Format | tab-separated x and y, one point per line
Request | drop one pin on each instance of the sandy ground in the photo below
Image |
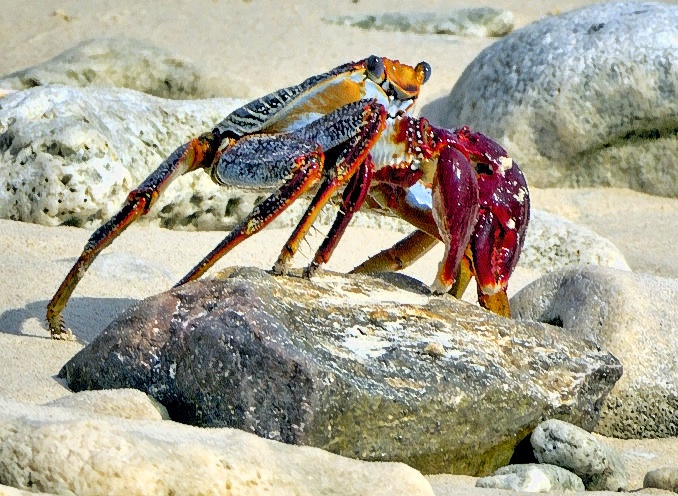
266	45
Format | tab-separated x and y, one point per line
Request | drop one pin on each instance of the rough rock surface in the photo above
552	242
116	62
567	446
663	478
354	365
106	455
71	155
479	21
568	96
534	478
633	316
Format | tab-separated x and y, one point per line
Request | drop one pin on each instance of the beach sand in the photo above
265	45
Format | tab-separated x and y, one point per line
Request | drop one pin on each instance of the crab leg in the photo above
193	155
304	149
352	199
305	172
400	256
369	122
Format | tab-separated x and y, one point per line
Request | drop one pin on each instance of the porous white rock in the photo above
71	156
113	456
533	478
635	317
584	98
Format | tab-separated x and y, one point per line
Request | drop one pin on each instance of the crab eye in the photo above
425	69
375	67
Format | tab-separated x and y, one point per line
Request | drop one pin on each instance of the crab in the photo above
349	128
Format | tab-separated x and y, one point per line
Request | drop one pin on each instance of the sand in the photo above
266	45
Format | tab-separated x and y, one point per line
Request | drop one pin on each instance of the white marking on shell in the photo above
511	224
506	163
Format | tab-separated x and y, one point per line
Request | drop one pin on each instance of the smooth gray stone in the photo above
585	98
572	448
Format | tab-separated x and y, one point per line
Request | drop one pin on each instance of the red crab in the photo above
349	128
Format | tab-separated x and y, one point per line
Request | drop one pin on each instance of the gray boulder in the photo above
633	316
567	446
117	62
585	98
355	365
533	478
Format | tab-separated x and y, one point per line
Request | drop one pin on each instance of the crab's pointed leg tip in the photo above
497	303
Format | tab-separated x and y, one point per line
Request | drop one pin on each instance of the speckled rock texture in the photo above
121	63
61	450
567	446
585	98
475	21
634	317
355	365
534	478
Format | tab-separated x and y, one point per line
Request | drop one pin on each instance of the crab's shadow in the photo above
86	317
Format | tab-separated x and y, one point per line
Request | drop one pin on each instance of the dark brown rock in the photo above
340	362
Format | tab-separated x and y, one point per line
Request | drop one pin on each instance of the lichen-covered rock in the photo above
533	478
478	21
633	316
662	478
567	446
66	451
340	362
585	98
117	62
552	242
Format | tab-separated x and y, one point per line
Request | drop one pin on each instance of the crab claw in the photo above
499	232
455	209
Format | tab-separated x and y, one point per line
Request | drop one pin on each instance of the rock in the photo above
122	403
634	317
341	363
478	21
107	455
71	156
585	98
533	478
10	491
663	478
570	447
118	62
553	242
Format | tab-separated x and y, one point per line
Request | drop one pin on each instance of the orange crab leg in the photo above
307	171
352	155
193	155
352	199
400	256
